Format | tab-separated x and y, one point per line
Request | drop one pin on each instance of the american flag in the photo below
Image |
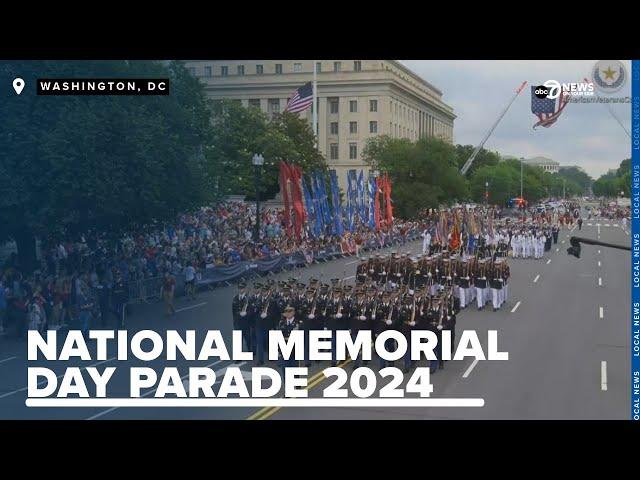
545	108
301	100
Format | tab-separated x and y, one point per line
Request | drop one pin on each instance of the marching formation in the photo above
395	292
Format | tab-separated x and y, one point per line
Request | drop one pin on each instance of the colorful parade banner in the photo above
335	201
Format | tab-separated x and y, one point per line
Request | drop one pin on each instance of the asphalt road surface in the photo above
565	326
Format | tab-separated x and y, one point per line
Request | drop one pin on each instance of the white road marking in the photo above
574	227
223	370
626	232
603	376
350	277
563	241
471	367
598	229
515	307
598	252
599	281
548	261
589	224
8	394
151	392
7	359
601	312
599	263
190	307
558	249
607	225
536	279
351	263
615	224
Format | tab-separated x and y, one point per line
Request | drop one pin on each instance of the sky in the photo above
478	90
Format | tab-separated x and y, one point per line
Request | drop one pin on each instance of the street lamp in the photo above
521	164
258	161
486	192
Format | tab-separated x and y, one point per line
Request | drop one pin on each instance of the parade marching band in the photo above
396	291
391	292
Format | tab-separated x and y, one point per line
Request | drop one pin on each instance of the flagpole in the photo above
615	117
315	102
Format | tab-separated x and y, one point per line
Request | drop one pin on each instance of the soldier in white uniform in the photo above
426	241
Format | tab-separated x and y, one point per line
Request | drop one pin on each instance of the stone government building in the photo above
357	99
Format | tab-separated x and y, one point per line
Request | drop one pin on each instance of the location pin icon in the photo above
18	85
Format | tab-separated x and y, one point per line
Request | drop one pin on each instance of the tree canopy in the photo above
611	184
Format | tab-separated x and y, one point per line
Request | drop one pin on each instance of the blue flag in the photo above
363	212
335	200
372	202
311	210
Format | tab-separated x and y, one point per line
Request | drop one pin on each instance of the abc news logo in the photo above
542	92
552	88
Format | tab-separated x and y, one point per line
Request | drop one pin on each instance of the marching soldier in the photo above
407	317
307	311
386	319
286	325
241	310
496	284
362	271
480	282
333	314
360	313
265	320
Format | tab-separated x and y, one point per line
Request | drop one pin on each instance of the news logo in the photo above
551	89
103	86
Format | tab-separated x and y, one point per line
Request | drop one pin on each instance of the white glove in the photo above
388	322
373	317
242	314
362	317
338	315
263	315
439	327
311	316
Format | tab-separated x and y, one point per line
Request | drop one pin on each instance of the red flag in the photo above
296	193
284	189
387	200
376	206
454	242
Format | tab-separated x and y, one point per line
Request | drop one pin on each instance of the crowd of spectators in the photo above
87	277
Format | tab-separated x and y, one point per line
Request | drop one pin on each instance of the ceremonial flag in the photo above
372	202
301	100
548	109
363	211
284	189
351	199
311	210
335	200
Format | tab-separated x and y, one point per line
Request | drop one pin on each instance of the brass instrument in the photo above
312	313
388	320
439	327
243	312
339	311
412	321
266	306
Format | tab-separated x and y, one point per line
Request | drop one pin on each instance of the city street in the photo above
565	326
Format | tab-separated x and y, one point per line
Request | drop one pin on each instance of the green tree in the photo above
483	158
424	174
241	132
103	162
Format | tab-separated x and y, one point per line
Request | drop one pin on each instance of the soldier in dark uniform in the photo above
240	309
386	319
306	313
359	317
265	320
408	319
362	271
119	298
287	324
333	314
495	283
432	319
322	304
555	231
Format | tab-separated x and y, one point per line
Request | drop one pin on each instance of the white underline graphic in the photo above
255	402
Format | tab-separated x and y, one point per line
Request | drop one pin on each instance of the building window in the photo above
353	127
357	65
353	151
297	67
333	149
240	69
373	127
337	66
373	105
278	68
207	71
224	70
259	69
333	105
192	71
334	128
274	105
318	67
353	106
254	102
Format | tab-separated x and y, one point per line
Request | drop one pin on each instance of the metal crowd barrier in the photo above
148	290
